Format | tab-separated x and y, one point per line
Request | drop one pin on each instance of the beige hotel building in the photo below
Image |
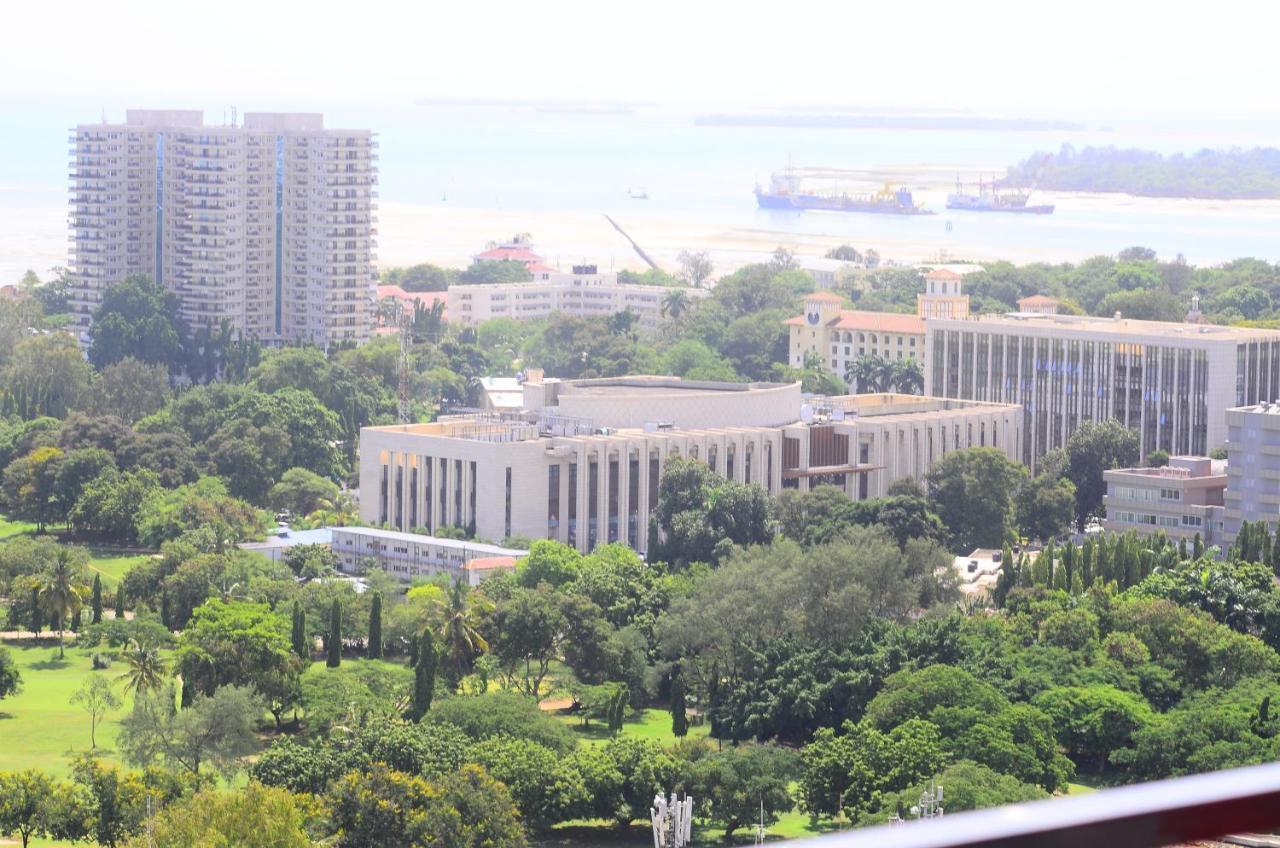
581	461
266	225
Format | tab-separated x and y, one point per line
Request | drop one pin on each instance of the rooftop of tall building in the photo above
1121	325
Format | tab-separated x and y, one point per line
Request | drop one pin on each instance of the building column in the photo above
584	478
624	491
602	492
563	495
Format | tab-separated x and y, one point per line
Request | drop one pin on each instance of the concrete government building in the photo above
581	461
267	226
1172	383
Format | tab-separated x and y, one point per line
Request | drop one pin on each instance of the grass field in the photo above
40	726
14	528
112	565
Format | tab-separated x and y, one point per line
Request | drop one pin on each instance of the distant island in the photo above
1235	174
889	122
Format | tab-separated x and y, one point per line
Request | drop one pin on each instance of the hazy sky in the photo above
1031	57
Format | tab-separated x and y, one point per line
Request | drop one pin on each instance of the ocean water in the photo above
527	163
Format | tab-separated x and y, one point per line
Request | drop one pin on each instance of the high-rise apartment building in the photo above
1253	466
1172	383
266	226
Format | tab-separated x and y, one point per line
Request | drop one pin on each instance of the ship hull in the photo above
766	200
1046	209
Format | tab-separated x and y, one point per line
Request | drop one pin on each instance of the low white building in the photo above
1182	499
582	461
410	555
584	292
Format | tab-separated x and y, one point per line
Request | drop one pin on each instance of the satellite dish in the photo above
806	414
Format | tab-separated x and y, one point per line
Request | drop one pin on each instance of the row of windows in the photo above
1137	493
1146	519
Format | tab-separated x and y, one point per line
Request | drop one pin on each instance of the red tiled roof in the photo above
1038	300
879	322
539	268
490	563
515	254
943	274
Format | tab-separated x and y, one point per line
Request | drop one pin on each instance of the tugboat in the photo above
989	199
785	192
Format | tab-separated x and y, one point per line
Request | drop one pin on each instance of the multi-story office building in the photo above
585	291
267	226
1253	466
1172	383
1181	500
839	336
581	461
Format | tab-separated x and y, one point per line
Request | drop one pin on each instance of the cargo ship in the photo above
785	192
989	199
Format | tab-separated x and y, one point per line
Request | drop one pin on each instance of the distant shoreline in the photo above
892	122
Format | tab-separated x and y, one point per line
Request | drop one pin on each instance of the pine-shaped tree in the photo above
301	644
37	614
97	599
334	645
120	601
424	676
374	649
1197	546
679	712
413	650
618	708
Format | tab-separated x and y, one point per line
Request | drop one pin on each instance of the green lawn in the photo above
14	528
651	723
40	726
113	565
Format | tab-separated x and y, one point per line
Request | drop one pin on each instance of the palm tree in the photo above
867	373
459	614
147	669
61	596
908	377
675	303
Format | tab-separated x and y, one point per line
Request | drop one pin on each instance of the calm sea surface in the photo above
526	160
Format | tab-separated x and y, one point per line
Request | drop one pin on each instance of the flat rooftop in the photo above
664	385
1089	324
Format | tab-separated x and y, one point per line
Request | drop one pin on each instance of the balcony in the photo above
1146	815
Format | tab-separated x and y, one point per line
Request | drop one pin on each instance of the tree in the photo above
145	667
679	714
374	648
216	730
311	562
545	786
333	640
299	639
550	562
784	259
974	491
695	267
458	614
45	375
238	643
1095	720
252	815
61	593
529	627
117	802
503	714
424	675
33	806
1093	448
138	318
97	599
128	389
737	786
10	679
248	457
96	698
302	492
675	303
699	510
622	776
383	807
1046	507
968	786
29	487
